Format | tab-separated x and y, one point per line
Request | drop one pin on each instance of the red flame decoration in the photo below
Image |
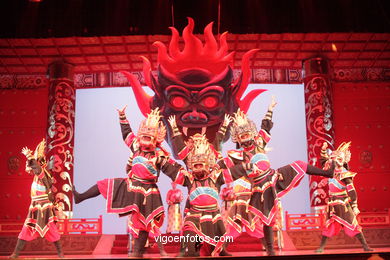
195	55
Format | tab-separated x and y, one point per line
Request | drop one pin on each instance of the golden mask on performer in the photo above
39	155
151	132
243	130
201	159
342	155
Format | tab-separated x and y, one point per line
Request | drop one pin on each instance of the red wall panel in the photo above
362	115
23	122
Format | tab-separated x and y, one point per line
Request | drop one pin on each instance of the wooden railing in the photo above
304	221
317	220
65	226
370	219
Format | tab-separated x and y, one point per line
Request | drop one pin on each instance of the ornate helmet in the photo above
39	153
153	127
342	154
202	156
242	129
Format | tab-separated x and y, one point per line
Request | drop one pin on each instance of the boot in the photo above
19	247
322	245
161	248
362	240
269	240
182	251
59	249
263	244
139	244
90	193
130	247
312	170
192	248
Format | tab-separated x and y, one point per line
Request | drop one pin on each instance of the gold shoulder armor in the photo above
347	174
238	155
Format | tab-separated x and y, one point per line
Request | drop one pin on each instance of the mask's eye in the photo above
210	102
178	102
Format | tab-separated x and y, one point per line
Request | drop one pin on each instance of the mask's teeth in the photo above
185	130
204	130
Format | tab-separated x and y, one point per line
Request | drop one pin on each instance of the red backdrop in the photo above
23	122
362	115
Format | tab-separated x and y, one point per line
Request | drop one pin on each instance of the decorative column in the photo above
60	135
319	123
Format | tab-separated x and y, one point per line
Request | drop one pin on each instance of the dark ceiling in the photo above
65	18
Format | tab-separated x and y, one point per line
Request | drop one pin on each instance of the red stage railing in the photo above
317	220
305	221
65	226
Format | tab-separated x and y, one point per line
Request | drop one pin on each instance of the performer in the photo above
203	180
228	196
41	218
138	194
268	184
174	197
342	204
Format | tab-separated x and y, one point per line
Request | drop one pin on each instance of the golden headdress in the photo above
344	146
39	152
152	126
342	154
241	124
201	153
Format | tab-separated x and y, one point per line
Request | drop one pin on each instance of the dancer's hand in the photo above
27	152
121	112
227	120
356	211
324	146
172	121
273	104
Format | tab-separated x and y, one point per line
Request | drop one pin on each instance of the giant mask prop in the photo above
195	84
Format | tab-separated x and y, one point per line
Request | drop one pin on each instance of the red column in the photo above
319	122
60	135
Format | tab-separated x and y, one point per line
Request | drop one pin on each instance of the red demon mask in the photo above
195	84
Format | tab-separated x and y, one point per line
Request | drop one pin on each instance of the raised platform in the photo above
72	244
298	244
379	254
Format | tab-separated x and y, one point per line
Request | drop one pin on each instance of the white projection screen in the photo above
100	152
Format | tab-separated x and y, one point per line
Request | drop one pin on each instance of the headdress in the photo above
201	153
39	153
241	124
343	152
152	126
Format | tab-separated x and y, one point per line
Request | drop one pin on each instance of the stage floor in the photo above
353	253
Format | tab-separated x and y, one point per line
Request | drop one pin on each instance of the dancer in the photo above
203	221
342	204
41	218
174	197
138	194
268	184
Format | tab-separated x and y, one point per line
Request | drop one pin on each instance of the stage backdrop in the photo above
101	153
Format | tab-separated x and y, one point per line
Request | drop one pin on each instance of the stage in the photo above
378	253
106	246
